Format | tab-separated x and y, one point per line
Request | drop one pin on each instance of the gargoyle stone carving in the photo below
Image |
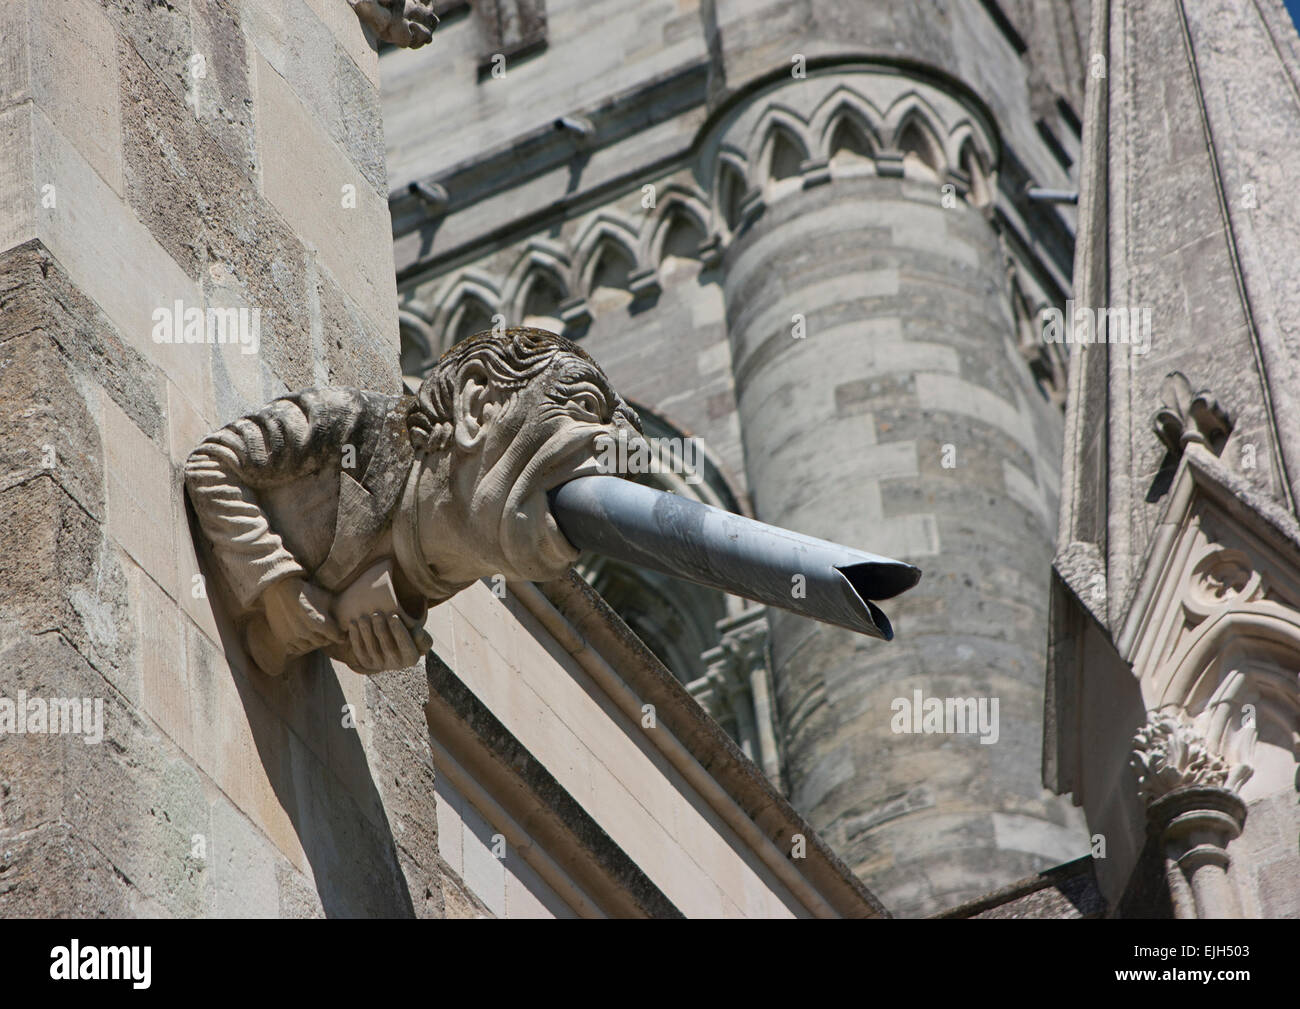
405	23
336	517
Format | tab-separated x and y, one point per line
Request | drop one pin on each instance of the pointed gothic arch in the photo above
729	192
469	301
538	284
783	153
844	103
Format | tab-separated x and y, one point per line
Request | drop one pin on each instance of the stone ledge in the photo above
821	876
534	800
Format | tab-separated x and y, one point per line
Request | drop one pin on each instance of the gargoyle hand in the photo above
298	613
382	641
406	23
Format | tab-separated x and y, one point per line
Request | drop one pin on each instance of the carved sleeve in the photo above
288	439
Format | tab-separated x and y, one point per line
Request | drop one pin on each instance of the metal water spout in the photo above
709	546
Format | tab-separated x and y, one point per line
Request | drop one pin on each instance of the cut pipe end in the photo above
870	580
876	580
712	547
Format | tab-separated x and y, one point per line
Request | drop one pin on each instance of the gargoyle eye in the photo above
588	403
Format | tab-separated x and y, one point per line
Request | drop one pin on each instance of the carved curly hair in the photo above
511	359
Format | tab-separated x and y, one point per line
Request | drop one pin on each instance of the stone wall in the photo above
1176	611
220	155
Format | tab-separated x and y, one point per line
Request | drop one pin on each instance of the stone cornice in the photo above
546	149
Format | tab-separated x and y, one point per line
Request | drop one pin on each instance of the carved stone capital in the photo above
1193	805
1169	753
405	23
1189	417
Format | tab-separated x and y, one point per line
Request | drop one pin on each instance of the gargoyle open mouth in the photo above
530	536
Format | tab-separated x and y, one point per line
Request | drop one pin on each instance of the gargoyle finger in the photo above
360	645
388	642
407	655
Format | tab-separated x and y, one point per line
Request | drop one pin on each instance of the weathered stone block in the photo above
44	427
160	653
160	33
244	867
51	872
19	200
55	575
141	495
77	86
332	207
242	746
222	100
114	260
354	348
404	777
346	27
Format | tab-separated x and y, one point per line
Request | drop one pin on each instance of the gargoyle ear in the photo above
474	405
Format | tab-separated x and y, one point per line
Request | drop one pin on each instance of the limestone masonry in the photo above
1001	289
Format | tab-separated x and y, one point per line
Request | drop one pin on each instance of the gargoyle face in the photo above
407	23
563	414
511	447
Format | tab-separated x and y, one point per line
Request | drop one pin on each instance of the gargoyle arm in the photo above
290	438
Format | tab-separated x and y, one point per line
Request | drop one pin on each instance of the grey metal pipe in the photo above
686	539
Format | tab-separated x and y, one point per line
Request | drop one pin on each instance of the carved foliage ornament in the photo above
1169	753
405	23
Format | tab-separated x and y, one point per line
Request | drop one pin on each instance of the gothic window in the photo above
471	316
681	242
974	169
784	155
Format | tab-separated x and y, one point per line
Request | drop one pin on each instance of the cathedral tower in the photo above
801	235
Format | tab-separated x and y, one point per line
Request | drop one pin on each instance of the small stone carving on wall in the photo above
405	23
336	517
1169	753
1189	416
